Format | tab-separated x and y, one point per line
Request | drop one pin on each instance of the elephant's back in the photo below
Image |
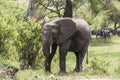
81	23
83	29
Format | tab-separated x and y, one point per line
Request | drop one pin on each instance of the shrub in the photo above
29	43
99	66
117	70
9	17
8	35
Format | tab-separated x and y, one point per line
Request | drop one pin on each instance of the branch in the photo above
49	8
57	8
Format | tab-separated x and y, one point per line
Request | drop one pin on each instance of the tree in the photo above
30	9
110	7
68	9
35	10
59	8
49	6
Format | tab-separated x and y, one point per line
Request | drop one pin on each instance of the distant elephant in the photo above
96	32
118	31
70	35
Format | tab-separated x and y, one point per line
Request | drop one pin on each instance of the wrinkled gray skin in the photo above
70	35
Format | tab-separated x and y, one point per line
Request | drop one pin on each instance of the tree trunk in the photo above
68	9
33	12
115	25
30	9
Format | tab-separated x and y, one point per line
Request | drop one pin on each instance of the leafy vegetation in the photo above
21	41
29	43
18	39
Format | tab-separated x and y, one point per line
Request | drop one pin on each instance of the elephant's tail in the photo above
87	57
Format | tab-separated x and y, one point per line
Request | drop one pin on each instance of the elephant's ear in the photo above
67	28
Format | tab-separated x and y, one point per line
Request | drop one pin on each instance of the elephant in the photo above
96	32
118	31
70	34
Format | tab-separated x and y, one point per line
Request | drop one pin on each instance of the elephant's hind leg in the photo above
82	53
80	56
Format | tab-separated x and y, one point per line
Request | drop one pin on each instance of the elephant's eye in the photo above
46	30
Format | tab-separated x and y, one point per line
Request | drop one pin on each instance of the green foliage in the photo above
29	42
115	10
117	69
99	13
99	66
116	4
8	32
19	39
101	20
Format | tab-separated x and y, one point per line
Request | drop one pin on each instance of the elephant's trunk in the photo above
47	48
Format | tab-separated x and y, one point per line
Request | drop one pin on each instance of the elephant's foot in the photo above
47	70
78	69
47	67
62	70
62	73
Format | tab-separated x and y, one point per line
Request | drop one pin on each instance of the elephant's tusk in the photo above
50	49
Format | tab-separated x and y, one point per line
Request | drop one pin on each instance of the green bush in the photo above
8	35
117	69
99	66
19	40
9	17
29	42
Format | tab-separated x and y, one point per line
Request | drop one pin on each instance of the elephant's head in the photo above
57	32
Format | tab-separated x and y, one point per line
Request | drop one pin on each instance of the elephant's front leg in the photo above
63	48
49	58
77	68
